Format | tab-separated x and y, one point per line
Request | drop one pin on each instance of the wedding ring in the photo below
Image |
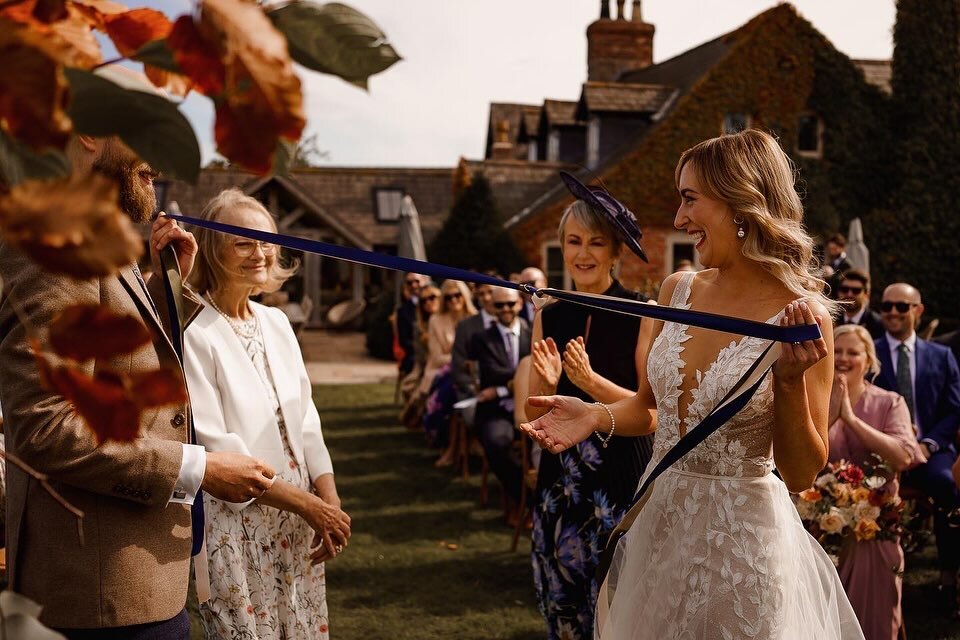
339	548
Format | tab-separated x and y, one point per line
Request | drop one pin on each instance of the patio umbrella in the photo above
857	252
410	243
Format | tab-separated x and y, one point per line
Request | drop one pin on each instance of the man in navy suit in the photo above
854	294
926	375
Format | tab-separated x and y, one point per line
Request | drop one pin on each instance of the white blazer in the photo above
230	408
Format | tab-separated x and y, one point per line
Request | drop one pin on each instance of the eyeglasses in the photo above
246	248
902	307
452	296
854	290
505	305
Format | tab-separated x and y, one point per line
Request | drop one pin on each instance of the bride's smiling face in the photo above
707	221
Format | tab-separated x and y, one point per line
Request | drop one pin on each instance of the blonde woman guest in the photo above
718	549
866	420
250	393
428	303
437	383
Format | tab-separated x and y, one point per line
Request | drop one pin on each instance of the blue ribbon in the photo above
762	330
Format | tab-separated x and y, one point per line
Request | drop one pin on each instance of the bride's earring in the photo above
741	232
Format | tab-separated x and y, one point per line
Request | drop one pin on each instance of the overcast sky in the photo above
459	55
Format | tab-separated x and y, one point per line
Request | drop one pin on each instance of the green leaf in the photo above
335	39
114	101
157	54
18	162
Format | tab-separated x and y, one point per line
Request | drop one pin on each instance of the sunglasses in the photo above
854	290
452	296
504	305
246	248
902	307
430	298
413	283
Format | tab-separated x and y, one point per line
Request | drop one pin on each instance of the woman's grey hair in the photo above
209	272
590	219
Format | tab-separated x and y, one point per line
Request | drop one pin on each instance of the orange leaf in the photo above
96	11
158	388
261	100
103	402
73	225
170	82
33	97
133	29
69	41
50	10
197	57
82	332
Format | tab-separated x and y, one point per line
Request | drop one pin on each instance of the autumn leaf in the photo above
81	332
111	403
73	225
246	69
69	41
131	30
50	10
96	11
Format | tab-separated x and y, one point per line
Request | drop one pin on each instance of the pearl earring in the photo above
741	232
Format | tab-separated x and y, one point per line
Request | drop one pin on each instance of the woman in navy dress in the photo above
583	492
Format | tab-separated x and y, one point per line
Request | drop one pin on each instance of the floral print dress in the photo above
262	584
583	493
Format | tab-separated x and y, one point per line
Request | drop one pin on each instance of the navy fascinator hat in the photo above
611	208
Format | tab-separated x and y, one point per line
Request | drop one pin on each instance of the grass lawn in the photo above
426	562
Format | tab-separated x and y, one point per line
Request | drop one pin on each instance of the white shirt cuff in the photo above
192	468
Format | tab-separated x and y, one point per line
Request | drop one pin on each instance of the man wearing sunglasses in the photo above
926	375
854	296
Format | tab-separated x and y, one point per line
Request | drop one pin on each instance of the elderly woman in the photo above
866	420
437	382
250	393
583	493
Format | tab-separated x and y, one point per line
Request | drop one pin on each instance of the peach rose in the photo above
841	494
860	494
866	529
832	521
866	511
811	495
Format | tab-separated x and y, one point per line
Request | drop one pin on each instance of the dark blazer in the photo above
951	340
496	370
462	378
870	320
406	319
936	389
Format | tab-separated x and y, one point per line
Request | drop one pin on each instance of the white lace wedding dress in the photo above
718	550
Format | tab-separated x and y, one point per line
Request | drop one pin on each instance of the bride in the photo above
718	550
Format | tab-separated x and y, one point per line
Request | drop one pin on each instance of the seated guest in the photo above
497	350
437	382
926	375
250	393
866	420
835	262
428	303
406	318
854	296
463	376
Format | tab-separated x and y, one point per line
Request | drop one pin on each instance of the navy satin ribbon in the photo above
797	333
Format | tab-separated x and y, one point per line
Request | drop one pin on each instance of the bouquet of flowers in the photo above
850	503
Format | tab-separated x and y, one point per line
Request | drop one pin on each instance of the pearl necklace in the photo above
243	328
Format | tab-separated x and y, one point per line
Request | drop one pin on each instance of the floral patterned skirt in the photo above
262	584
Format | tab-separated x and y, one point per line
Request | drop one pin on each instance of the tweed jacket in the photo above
133	564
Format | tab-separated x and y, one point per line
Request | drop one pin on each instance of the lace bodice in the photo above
741	447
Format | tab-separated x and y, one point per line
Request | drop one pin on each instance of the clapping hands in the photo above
575	362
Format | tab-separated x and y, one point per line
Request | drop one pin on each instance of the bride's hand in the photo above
797	357
568	421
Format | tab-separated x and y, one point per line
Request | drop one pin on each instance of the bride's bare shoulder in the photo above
669	285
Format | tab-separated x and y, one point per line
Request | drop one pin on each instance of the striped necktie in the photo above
904	383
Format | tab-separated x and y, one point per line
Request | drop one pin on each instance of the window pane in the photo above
388	204
554	268
808	134
682	251
735	122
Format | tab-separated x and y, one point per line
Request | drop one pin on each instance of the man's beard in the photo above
137	199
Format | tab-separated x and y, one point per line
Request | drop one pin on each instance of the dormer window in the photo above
735	122
388	203
810	136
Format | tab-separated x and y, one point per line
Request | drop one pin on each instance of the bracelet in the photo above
613	426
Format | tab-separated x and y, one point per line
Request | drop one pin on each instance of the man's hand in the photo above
235	477
487	395
166	231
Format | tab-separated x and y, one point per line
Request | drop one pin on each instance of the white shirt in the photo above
855	318
911	343
487	319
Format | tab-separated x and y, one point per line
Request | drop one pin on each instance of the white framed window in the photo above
593	143
557	276
735	122
680	247
388	203
810	136
553	146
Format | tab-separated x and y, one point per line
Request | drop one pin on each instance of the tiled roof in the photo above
344	194
877	72
560	112
622	97
514	182
513	114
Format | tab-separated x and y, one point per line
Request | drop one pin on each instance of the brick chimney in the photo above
502	146
618	45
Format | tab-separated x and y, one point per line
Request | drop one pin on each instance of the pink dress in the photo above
871	572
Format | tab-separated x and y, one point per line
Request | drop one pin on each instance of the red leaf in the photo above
102	401
158	388
50	10
198	58
133	29
82	332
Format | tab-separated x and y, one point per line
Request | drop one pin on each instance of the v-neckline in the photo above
680	364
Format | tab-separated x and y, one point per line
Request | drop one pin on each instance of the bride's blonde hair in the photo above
750	173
